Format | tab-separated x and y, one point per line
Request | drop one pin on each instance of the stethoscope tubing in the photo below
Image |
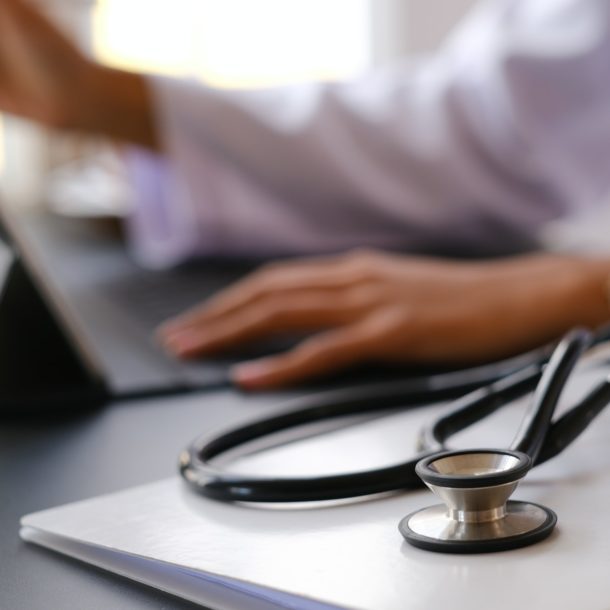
537	435
537	421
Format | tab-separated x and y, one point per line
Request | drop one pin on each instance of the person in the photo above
472	149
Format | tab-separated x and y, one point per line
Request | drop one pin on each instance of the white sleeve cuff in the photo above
159	228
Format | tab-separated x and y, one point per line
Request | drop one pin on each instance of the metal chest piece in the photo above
476	516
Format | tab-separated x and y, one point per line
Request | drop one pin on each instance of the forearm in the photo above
116	104
522	302
579	290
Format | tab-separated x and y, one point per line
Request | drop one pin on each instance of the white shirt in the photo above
475	148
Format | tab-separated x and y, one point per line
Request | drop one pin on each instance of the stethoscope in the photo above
475	485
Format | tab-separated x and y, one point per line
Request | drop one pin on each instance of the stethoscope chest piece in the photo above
477	516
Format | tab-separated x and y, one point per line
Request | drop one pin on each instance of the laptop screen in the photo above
43	367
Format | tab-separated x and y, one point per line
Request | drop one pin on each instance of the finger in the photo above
282	279
247	293
321	355
271	316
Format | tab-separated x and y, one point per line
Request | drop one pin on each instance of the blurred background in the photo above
227	43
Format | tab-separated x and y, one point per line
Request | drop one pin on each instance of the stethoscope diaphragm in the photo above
524	523
476	516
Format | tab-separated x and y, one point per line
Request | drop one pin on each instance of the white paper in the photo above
350	555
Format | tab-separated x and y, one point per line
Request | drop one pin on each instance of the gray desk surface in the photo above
51	463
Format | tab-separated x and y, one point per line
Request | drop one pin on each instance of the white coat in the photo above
477	147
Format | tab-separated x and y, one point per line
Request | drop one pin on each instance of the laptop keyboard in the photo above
160	296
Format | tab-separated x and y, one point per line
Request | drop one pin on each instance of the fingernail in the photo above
251	374
182	343
172	339
169	329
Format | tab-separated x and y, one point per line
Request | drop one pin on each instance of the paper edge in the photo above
227	593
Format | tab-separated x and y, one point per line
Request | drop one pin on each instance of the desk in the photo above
43	465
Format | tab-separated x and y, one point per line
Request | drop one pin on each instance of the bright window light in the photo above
236	43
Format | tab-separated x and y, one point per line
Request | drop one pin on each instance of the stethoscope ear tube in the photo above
574	422
537	421
477	405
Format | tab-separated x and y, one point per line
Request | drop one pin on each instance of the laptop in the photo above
77	317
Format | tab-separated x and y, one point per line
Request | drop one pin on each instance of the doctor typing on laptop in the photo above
474	149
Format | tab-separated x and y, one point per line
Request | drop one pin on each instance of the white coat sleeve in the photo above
475	148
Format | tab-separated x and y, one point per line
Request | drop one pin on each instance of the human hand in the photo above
46	78
369	306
